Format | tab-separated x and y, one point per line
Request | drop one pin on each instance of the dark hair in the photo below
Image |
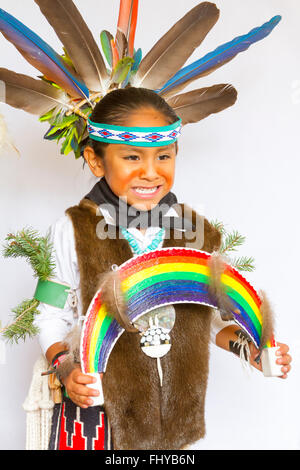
117	105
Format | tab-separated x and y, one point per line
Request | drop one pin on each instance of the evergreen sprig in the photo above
22	325
37	250
244	263
230	242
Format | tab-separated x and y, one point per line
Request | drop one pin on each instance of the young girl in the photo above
139	412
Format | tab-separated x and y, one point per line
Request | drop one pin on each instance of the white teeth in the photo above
146	190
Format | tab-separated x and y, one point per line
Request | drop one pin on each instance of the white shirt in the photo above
54	323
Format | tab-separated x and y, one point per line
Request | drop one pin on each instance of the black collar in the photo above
128	216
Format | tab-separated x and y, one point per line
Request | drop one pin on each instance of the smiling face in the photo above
141	176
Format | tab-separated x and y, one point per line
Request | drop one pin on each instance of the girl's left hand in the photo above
283	358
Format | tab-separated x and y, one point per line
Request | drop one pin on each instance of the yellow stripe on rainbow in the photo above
238	287
130	281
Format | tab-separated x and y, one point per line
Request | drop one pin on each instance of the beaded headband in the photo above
137	136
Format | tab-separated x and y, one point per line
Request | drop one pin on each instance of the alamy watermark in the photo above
181	223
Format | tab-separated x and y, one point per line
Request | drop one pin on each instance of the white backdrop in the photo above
241	166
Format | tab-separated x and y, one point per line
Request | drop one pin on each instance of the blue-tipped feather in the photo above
137	59
218	57
41	55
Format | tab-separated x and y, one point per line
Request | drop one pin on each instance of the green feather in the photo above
105	38
47	116
122	69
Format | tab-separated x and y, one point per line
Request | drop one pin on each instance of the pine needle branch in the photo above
230	242
243	263
218	225
37	251
22	325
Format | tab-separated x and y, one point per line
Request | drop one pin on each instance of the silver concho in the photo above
166	318
155	341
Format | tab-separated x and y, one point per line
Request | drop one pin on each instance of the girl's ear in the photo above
94	162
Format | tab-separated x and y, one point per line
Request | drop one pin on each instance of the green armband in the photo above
52	293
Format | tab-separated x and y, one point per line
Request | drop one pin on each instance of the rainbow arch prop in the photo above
163	277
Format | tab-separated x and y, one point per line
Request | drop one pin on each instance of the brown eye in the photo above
131	157
164	157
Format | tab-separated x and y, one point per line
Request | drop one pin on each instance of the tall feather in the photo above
127	20
267	319
78	40
39	54
33	96
132	28
198	104
175	47
216	59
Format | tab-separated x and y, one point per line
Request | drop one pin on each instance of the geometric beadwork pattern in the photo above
142	136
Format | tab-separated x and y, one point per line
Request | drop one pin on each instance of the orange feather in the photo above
127	21
133	22
115	54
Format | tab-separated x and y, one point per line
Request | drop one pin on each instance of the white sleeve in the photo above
217	324
54	323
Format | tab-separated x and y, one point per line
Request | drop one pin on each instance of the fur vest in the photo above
142	414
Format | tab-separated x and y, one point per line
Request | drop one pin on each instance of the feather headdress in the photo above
72	83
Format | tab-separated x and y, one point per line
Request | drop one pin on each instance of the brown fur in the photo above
144	415
113	298
216	289
72	341
267	319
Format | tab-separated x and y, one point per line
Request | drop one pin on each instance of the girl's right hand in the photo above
77	390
